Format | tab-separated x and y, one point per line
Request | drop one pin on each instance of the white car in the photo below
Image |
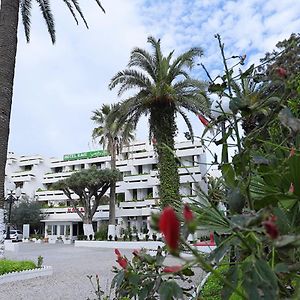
16	235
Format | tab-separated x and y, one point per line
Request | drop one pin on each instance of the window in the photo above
19	184
54	230
58	169
67	230
62	230
140	169
134	194
28	168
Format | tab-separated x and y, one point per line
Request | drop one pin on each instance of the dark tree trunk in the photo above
8	47
112	200
9	13
162	122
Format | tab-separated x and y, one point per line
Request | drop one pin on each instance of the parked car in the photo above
16	235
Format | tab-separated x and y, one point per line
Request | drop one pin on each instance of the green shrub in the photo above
81	237
101	234
213	286
7	266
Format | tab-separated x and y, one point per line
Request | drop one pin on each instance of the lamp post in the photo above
11	199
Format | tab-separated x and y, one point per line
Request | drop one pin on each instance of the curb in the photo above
27	274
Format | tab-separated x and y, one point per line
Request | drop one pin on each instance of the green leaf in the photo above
229	175
217	254
117	280
216	87
170	289
188	272
248	72
259	281
281	268
236	200
290	241
232	277
224	138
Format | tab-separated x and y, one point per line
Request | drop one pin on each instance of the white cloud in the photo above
58	86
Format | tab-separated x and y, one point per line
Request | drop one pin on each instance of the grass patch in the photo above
213	286
7	266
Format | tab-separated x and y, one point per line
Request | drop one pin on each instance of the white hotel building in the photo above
137	193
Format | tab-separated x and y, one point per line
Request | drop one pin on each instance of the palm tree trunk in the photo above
162	122
112	200
8	48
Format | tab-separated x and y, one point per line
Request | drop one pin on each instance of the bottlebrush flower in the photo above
281	72
203	120
188	214
292	188
122	262
172	269
118	253
169	226
292	152
271	228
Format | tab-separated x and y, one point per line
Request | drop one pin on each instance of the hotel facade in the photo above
137	193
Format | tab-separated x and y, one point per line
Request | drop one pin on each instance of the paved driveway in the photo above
71	266
69	281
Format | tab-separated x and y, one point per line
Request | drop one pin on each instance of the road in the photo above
69	280
71	266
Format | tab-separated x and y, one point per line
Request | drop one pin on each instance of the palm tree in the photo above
164	89
112	138
9	19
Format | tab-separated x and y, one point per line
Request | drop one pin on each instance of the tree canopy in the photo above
165	89
90	185
26	212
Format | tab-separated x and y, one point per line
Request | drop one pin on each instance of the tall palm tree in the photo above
164	89
112	138
9	19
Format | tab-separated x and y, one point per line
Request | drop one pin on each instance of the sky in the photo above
57	87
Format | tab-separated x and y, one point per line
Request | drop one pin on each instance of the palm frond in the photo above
142	59
70	7
129	79
99	4
26	16
187	122
77	7
48	16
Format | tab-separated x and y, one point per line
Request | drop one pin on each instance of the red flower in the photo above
122	262
203	120
172	269
271	228
118	253
292	152
170	227
187	214
154	141
292	188
281	72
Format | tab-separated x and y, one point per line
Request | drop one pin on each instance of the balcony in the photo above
54	177
22	176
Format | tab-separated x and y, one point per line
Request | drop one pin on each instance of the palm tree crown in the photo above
107	131
112	137
164	89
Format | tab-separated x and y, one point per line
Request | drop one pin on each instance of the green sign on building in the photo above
84	155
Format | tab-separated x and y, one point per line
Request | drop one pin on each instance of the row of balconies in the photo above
131	209
125	209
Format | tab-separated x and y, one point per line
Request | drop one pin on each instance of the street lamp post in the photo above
11	199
